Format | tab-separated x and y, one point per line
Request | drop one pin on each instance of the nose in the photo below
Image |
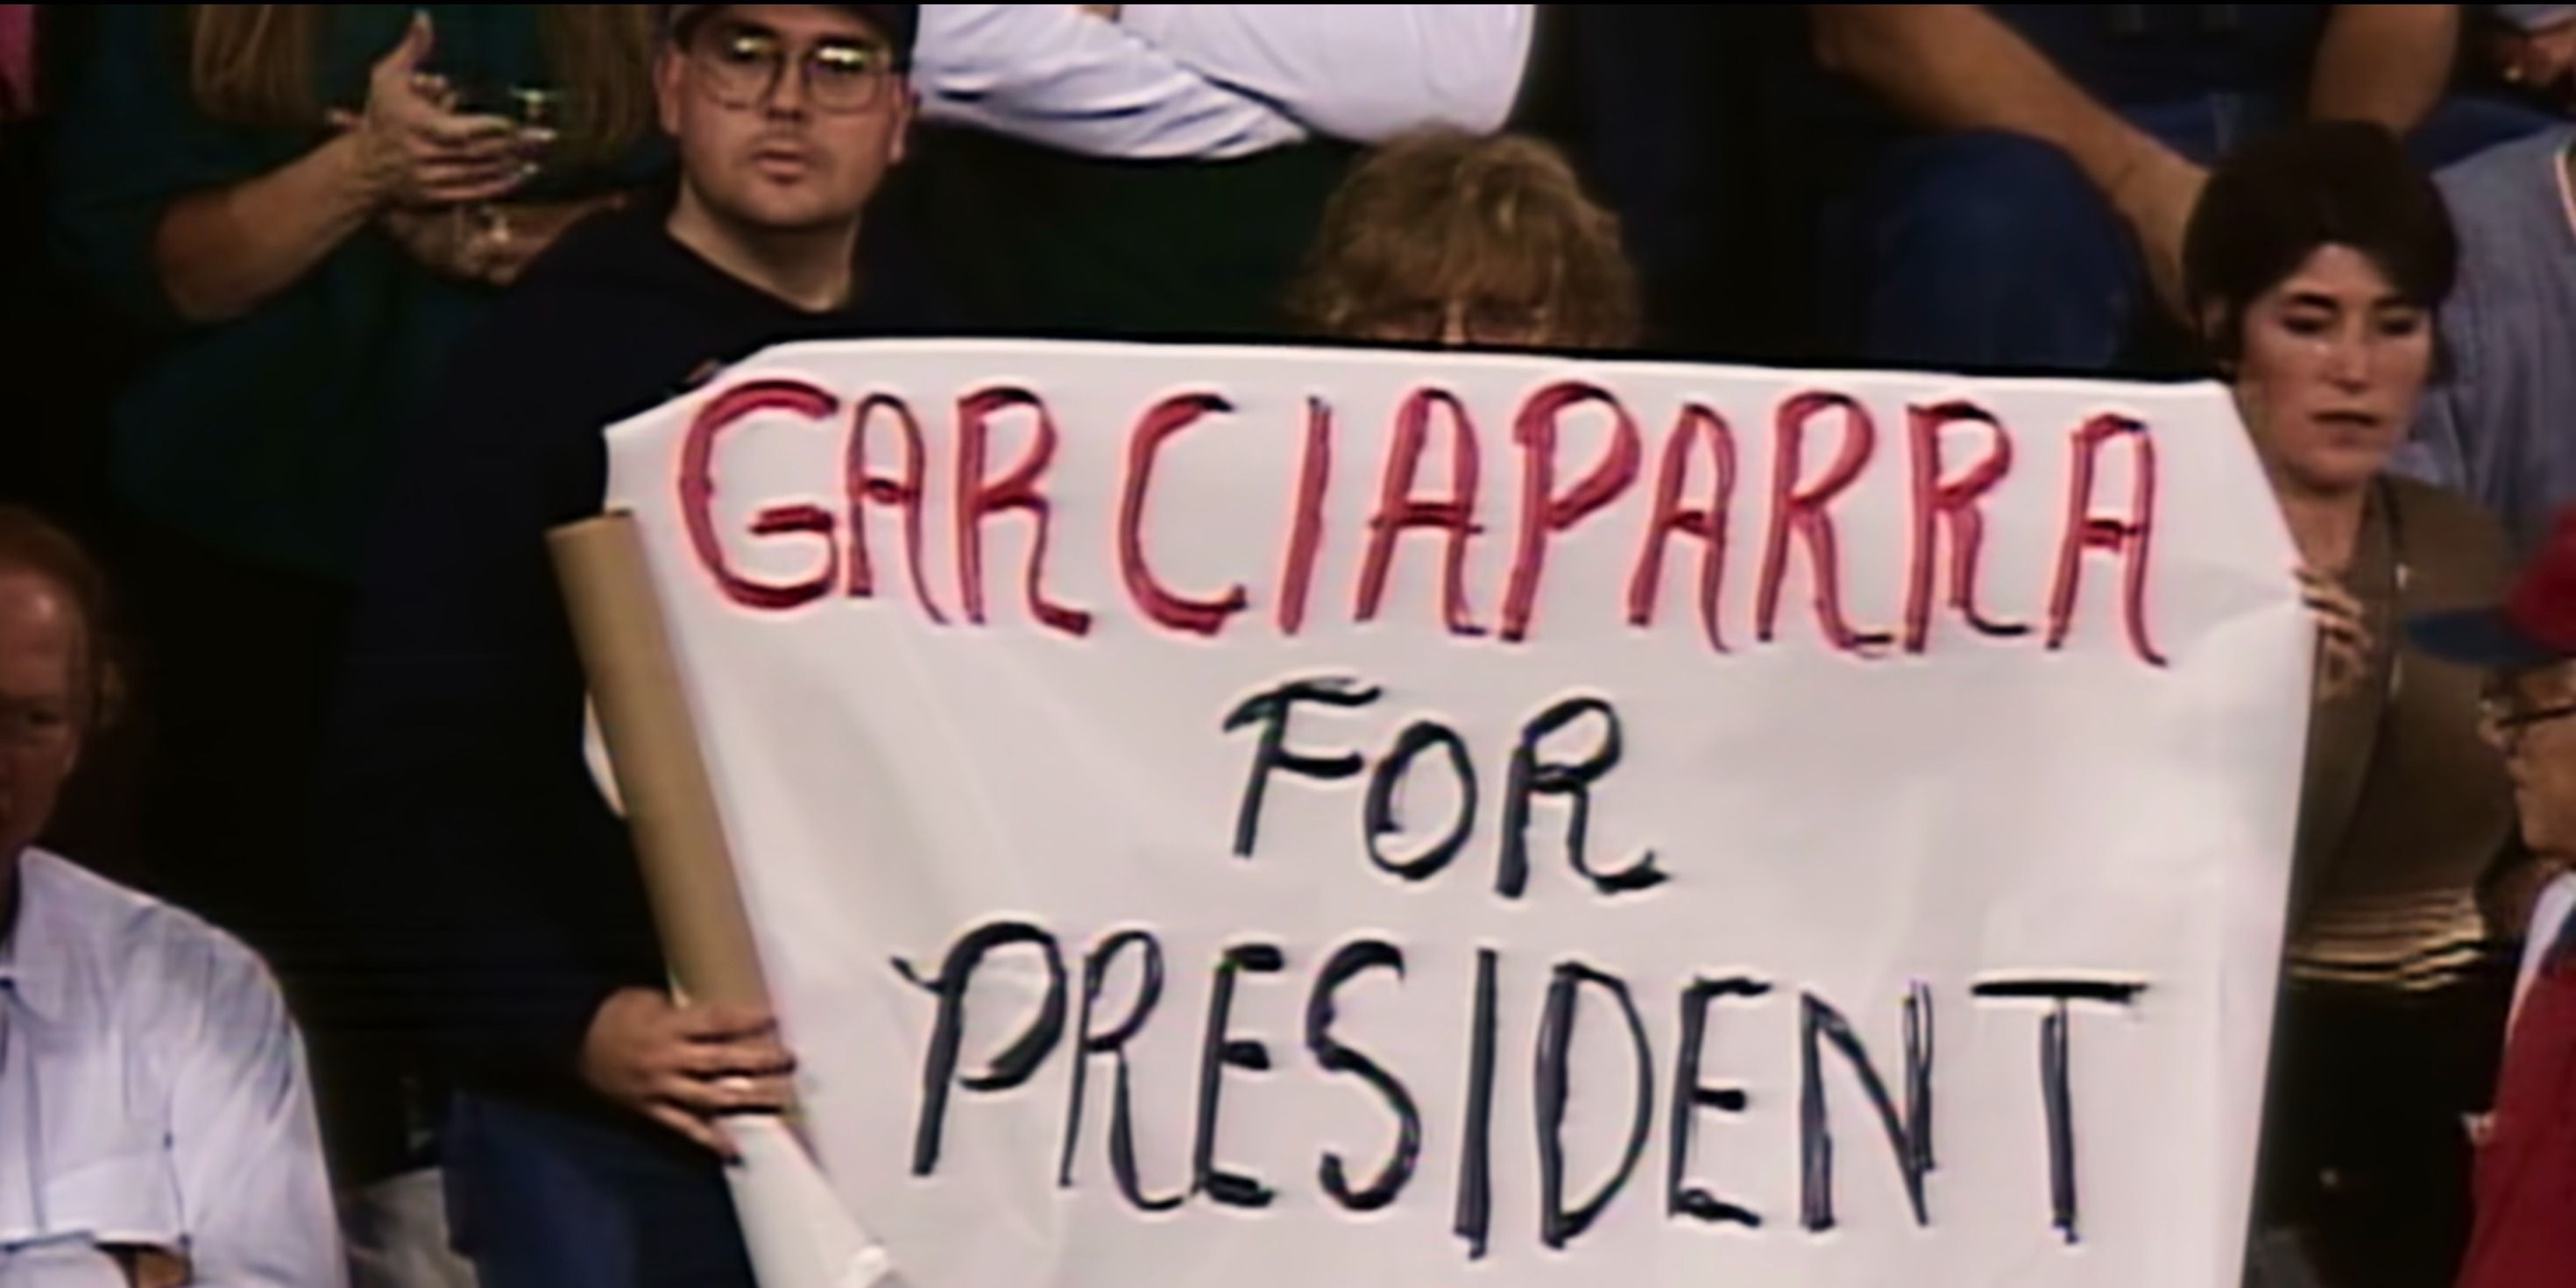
1453	324
787	91
2348	362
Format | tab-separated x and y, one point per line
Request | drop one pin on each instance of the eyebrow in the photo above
858	40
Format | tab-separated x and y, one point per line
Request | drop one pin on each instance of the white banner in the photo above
1263	818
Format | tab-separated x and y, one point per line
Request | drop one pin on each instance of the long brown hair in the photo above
1443	211
252	64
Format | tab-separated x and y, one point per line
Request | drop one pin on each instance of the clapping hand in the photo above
415	149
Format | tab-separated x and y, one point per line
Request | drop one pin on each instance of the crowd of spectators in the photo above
310	315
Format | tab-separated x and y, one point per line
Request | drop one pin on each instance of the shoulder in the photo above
2504	198
530	373
2451	537
159	961
2521	163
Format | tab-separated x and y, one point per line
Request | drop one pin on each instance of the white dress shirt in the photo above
2549	918
1175	81
152	1092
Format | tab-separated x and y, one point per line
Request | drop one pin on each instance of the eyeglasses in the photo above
744	67
1476	321
2505	720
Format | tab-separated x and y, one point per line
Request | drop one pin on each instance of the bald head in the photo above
48	570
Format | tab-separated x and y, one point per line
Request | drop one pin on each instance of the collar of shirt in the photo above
2562	948
32	955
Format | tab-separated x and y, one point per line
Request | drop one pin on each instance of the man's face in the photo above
41	639
2531	717
787	116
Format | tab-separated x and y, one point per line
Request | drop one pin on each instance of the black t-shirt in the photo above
496	893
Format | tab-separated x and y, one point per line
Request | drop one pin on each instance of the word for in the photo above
1533	776
1072	1025
886	462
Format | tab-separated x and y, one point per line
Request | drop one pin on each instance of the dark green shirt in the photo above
266	435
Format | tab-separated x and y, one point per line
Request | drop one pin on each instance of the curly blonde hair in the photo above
1444	214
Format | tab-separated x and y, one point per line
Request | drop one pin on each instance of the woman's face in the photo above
2333	361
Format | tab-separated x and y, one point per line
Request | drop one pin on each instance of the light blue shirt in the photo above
152	1093
2498	427
1211	81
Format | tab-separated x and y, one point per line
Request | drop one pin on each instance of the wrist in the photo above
365	185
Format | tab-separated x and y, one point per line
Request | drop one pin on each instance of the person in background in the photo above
468	841
1456	239
156	1128
2022	198
2533	49
2498	428
2315	263
2526	1159
307	203
1158	169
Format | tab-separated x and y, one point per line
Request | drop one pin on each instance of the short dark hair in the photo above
31	544
2281	198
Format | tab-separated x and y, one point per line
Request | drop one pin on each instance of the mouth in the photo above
784	163
2349	423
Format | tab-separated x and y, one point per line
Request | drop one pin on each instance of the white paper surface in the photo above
1851	825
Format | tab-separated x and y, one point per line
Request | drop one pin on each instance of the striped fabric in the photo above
2417	943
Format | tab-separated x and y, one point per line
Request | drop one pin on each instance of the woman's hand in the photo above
491	246
414	149
469	245
2344	640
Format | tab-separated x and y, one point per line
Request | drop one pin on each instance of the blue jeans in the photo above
539	1198
1986	249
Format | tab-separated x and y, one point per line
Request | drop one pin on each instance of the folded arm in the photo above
1165	82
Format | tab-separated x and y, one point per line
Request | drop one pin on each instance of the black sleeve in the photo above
494	893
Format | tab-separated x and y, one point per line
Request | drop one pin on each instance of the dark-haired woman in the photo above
2314	266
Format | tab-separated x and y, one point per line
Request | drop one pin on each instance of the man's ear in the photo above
670	76
907	110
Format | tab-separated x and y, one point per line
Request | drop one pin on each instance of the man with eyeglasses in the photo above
156	1122
2526	1180
497	893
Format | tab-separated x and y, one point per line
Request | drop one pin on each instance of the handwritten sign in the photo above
1259	817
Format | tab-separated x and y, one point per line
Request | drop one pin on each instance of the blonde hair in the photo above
1443	212
252	64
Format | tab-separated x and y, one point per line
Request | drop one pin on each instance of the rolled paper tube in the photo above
655	757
